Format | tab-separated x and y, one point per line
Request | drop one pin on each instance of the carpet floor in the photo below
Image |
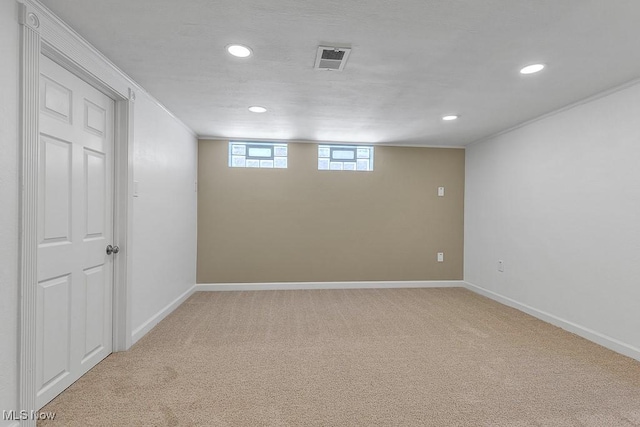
366	357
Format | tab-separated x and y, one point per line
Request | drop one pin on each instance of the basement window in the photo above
345	157
268	155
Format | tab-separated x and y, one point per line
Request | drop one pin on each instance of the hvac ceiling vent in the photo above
331	58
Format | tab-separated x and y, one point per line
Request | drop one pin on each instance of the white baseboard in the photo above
327	285
157	318
589	334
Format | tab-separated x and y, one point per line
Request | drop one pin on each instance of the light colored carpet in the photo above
378	357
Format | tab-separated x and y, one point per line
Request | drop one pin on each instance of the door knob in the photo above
112	249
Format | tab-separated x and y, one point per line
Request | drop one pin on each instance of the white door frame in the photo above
42	33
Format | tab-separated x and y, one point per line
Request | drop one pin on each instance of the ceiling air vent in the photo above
331	58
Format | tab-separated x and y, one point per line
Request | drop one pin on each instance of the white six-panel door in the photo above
75	214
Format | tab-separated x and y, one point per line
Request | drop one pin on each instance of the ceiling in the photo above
412	62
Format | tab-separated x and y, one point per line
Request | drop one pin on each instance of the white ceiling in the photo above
412	62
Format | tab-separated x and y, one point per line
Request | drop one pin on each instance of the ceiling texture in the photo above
412	61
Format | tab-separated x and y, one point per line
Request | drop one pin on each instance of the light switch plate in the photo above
440	191
440	256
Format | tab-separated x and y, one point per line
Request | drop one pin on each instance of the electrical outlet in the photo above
440	256
501	266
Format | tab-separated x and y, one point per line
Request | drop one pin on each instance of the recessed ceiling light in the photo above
449	118
533	68
239	50
257	109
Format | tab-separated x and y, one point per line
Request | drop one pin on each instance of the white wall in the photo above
9	34
165	213
559	201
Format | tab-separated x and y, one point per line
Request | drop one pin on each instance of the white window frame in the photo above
333	157
258	155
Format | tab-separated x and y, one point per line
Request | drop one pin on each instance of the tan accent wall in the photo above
304	225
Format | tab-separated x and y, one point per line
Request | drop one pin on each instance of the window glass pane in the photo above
239	149
238	161
349	166
335	166
342	155
280	151
259	152
363	153
324	151
363	165
266	163
323	164
280	162
253	163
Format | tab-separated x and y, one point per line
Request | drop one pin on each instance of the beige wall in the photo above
304	225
